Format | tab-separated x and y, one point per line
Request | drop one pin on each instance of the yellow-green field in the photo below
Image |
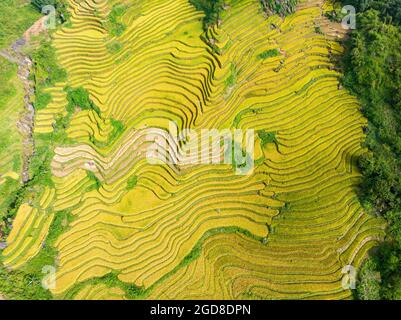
201	231
11	106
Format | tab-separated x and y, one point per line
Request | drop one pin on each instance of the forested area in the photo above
373	72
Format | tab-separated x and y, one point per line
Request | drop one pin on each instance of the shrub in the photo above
118	129
232	78
114	25
96	182
46	71
132	182
79	97
114	47
211	8
268	54
266	137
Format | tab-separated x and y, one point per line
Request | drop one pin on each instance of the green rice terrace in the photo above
83	210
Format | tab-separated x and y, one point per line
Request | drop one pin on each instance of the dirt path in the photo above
37	28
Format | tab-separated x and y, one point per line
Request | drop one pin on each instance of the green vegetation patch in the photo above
318	30
232	78
46	73
48	253
132	182
118	129
111	280
211	8
113	24
281	7
268	54
114	47
373	72
266	138
26	283
96	182
18	285
79	98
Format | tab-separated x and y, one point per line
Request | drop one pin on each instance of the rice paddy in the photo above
200	231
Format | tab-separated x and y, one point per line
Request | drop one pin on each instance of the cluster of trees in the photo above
389	10
114	25
46	72
373	72
211	8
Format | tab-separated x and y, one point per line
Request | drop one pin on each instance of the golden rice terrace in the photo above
115	225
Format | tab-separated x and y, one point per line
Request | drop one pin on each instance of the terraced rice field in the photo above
202	231
11	105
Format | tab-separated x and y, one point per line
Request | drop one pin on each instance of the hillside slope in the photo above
135	230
